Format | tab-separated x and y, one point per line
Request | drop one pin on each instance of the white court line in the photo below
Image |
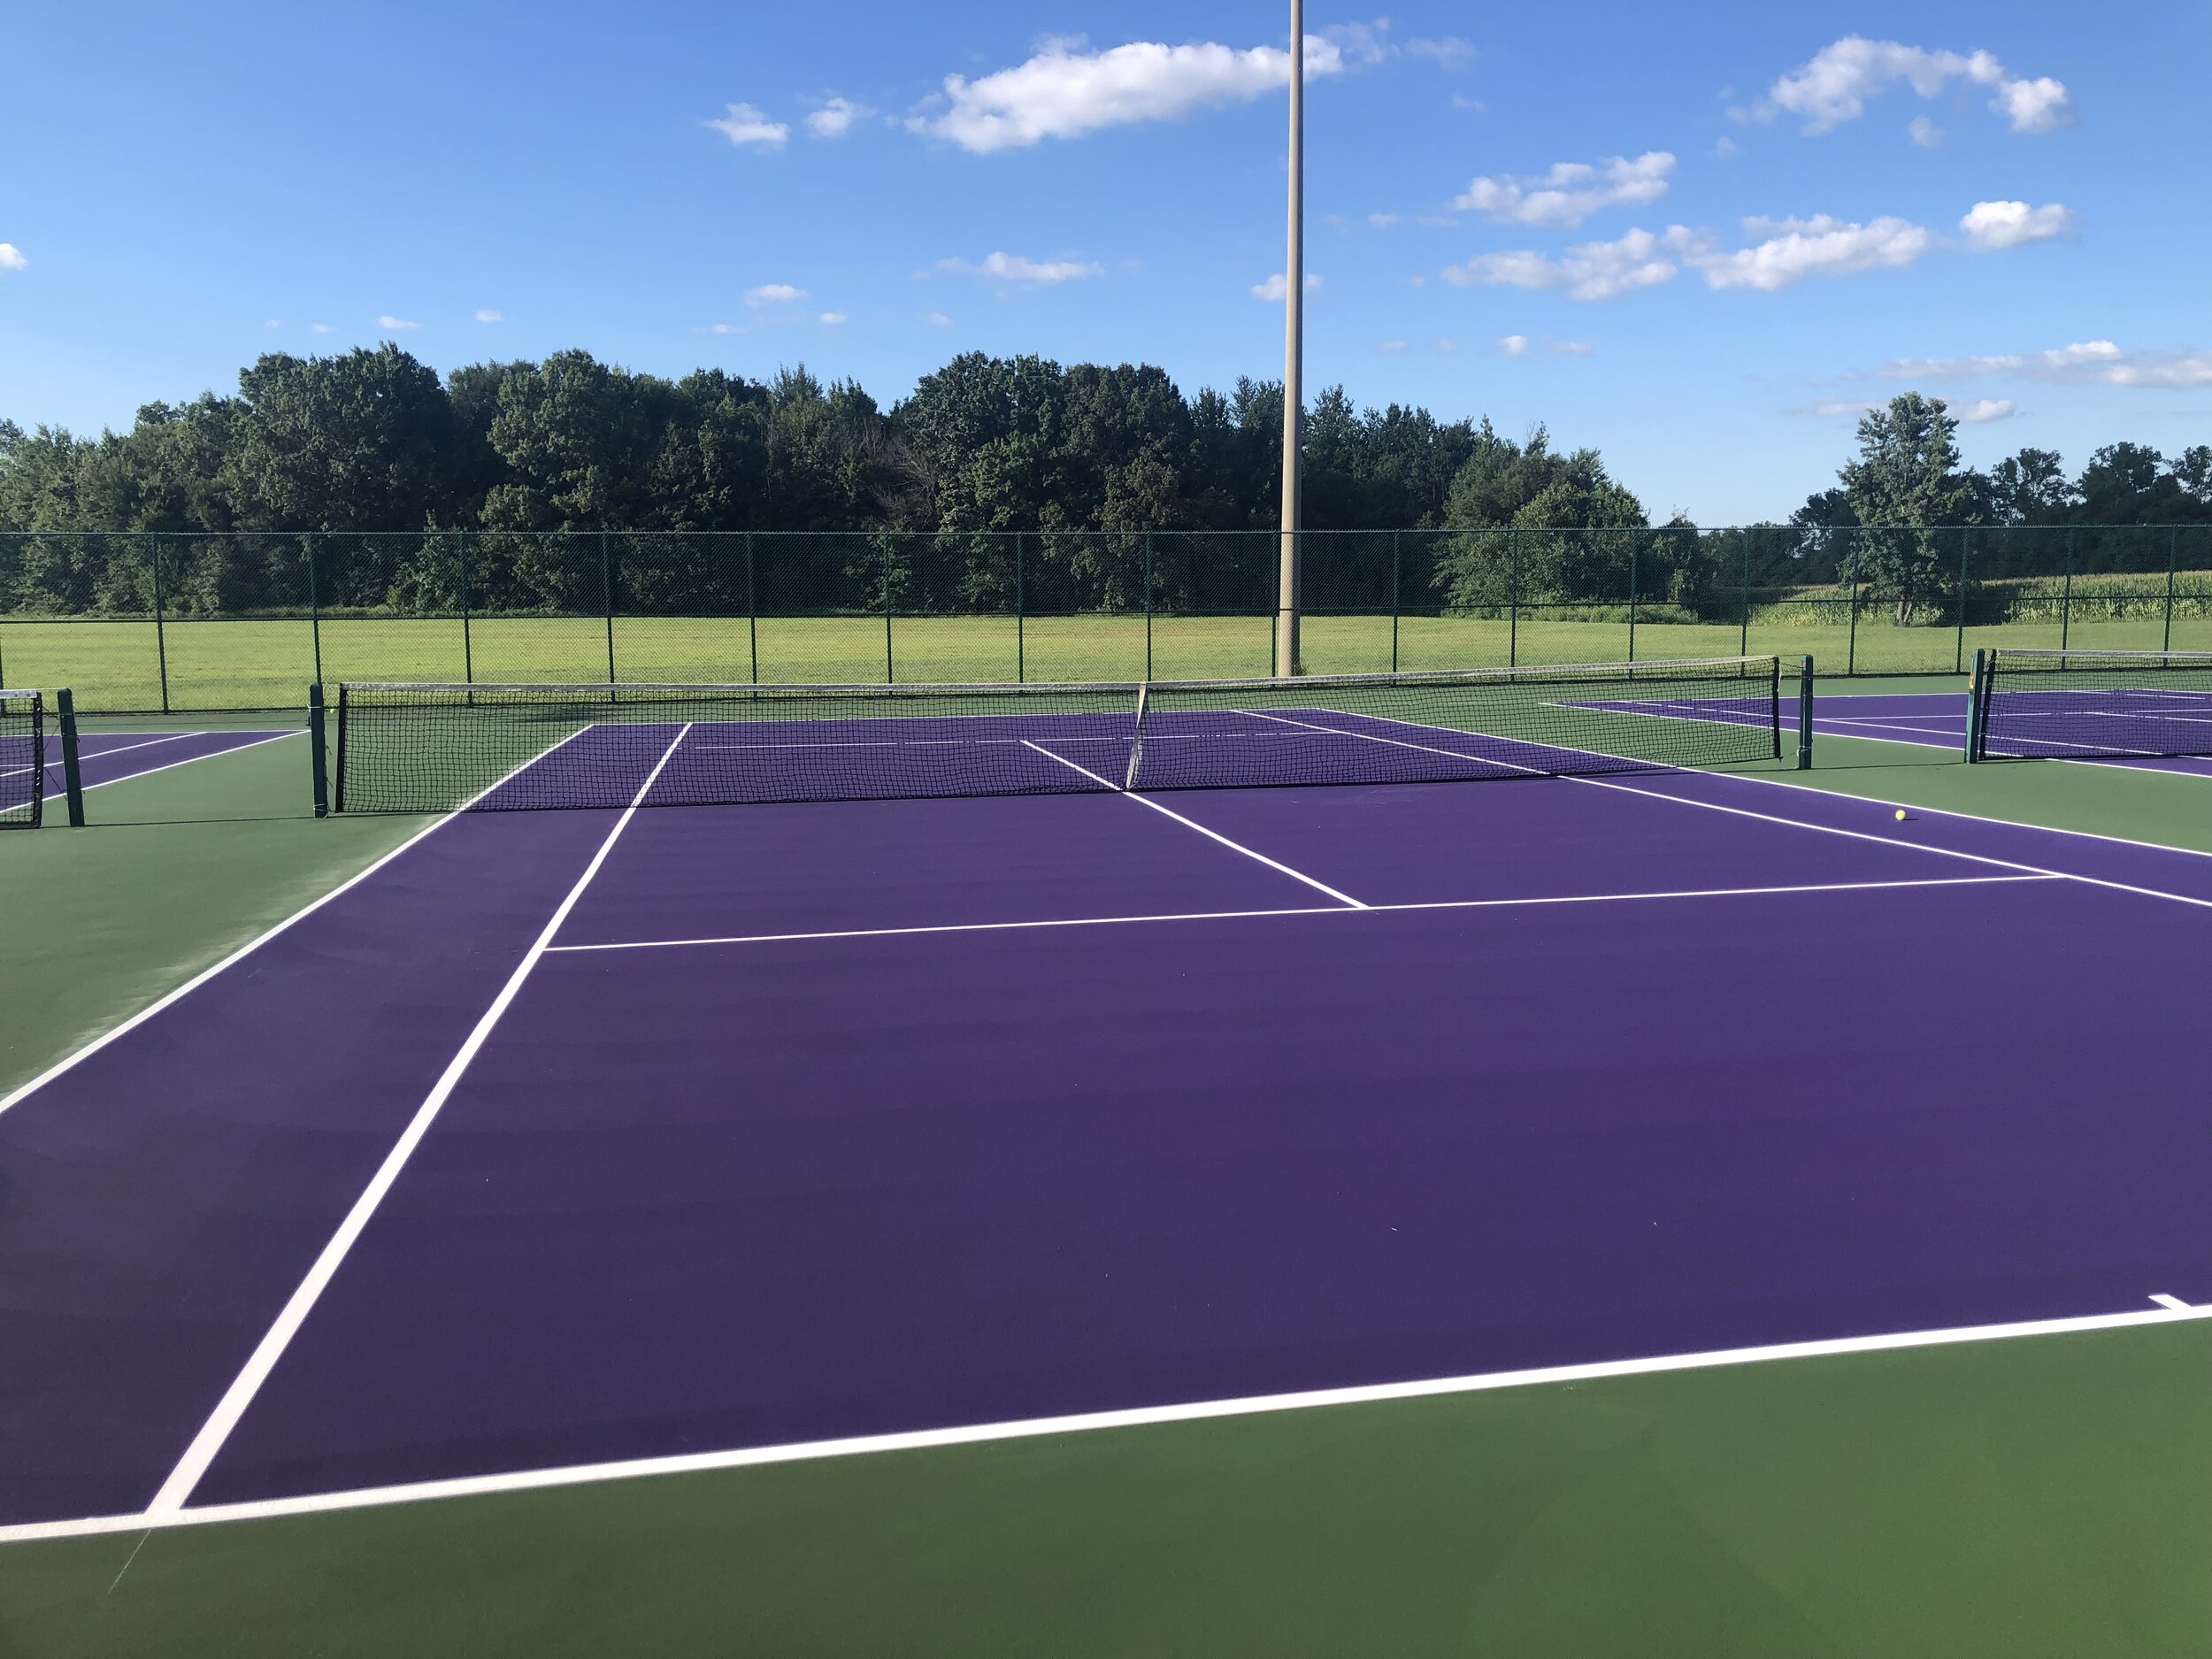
247	1383
193	984
1140	1416
1768	818
212	754
1310	909
2172	1303
97	754
1296	875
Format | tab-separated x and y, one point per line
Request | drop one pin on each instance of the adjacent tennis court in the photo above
570	1143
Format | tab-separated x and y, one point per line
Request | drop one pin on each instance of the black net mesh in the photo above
417	747
2088	704
22	758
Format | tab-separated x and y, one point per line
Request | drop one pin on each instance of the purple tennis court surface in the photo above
836	1120
111	757
1938	720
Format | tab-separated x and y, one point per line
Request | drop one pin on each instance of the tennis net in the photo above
2090	704
22	758
426	748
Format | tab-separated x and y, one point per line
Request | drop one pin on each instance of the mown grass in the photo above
120	666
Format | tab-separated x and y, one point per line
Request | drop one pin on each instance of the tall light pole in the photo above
1293	352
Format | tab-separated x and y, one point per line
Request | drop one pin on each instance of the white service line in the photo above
212	754
1272	864
193	984
97	754
209	1441
2172	1304
1031	1428
1310	909
1768	817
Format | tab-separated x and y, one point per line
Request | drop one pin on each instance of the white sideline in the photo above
1031	1428
1297	875
71	1061
1311	909
212	754
247	1383
120	748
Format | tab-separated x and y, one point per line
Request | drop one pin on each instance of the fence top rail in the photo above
19	697
1796	531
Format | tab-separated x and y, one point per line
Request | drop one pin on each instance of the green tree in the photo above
1905	482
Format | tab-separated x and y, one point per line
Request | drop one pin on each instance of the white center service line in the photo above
1272	864
209	1441
1310	909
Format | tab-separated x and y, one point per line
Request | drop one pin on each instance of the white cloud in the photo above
1450	50
1833	86
1830	410
273	323
2088	361
1925	133
1391	346
1012	267
1571	191
1275	287
1445	346
320	328
393	325
1571	348
1587	270
490	316
937	319
1065	91
745	124
1992	225
836	118
1818	246
1983	409
832	317
1382	221
772	294
1723	147
724	329
1513	345
11	257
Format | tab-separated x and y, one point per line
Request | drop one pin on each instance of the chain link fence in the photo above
137	622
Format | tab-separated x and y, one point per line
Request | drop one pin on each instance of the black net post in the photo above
1394	565
1974	706
1631	596
2173	557
1743	625
2066	595
314	608
1851	640
1804	718
468	655
1147	604
1512	598
161	642
889	673
1958	651
317	765
338	794
752	615
71	776
1021	610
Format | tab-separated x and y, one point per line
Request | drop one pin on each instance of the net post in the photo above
338	794
71	776
317	763
1974	703
1804	714
1136	742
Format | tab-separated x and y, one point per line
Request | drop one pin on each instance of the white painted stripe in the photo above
95	753
209	1441
212	754
1313	909
2172	1303
1296	875
1031	1428
144	1014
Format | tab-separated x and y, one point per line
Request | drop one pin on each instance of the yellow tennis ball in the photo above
1900	815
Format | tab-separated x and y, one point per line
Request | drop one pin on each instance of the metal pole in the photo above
1958	655
1021	616
1147	604
1395	563
606	595
2173	555
2066	595
161	642
888	675
1804	715
1743	628
1512	598
314	608
317	765
1631	596
1293	351
468	654
71	772
752	614
1851	645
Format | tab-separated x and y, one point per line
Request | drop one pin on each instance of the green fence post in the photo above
1631	596
1974	707
1021	615
1512	598
161	640
606	595
2173	555
1743	628
314	608
889	675
752	614
1851	641
71	776
1395	563
1958	651
1147	604
1804	715
2066	595
468	655
317	765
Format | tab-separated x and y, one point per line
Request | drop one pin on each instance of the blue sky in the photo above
1698	244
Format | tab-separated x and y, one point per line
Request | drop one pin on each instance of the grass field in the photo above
118	666
2046	1495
